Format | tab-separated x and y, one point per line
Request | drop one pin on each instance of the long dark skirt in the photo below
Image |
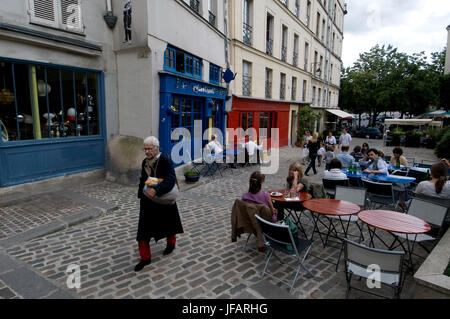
158	221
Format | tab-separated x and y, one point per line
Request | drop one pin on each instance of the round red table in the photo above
327	208
334	207
292	206
303	196
394	222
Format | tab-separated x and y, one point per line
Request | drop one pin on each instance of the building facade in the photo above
75	74
169	73
447	53
56	63
287	54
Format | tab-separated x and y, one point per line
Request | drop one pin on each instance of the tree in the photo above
306	118
384	79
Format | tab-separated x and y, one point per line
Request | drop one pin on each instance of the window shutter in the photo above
71	14
44	12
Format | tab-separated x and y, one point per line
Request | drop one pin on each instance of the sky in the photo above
411	26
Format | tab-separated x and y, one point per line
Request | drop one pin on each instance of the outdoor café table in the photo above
324	207
292	205
394	222
381	177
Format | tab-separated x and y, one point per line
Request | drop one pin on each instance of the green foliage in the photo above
444	90
190	172
433	132
384	79
398	131
442	150
306	118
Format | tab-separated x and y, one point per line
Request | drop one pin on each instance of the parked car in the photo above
372	132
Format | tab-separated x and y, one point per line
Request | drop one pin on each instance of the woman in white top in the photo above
334	171
330	140
437	187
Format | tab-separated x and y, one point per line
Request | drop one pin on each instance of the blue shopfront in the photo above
186	103
52	119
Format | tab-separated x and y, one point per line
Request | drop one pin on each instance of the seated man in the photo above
334	171
251	147
376	164
214	146
345	158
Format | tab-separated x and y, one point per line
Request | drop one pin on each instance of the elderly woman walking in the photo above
157	219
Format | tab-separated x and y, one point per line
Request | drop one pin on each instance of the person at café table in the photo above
345	158
214	146
334	171
256	196
398	157
294	182
437	186
376	164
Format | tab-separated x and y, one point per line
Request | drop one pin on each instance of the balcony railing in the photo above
247	34
283	53
246	85
295	59
195	5
269	47
268	89
212	18
282	91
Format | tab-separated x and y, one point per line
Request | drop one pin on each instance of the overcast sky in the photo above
409	25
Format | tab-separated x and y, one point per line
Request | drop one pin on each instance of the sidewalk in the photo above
94	226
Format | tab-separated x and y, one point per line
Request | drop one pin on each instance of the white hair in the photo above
151	140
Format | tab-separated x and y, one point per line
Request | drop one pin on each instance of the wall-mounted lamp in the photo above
109	17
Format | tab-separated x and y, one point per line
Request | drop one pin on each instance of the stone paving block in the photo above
27	283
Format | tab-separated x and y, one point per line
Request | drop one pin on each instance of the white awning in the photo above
413	122
340	113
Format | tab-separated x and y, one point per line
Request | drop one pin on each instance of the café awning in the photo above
417	122
341	114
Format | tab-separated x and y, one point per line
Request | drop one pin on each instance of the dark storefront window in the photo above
181	62
42	102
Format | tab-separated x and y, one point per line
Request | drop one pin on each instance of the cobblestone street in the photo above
205	263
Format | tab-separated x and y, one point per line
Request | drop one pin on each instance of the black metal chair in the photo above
418	175
330	185
279	238
379	193
386	266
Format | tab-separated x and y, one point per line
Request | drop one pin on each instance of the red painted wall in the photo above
281	120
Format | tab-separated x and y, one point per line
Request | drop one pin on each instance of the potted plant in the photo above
413	139
191	176
298	143
396	134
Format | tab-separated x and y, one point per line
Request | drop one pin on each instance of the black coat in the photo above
156	220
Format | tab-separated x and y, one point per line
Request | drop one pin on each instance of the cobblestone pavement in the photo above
205	263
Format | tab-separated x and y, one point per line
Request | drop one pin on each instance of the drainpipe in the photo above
227	60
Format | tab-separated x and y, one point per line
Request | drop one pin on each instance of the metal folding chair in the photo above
330	185
279	238
386	266
379	193
431	212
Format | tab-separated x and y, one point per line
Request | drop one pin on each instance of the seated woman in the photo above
334	171
255	195
357	152
294	182
398	157
437	186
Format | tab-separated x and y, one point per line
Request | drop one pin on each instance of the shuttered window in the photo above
63	14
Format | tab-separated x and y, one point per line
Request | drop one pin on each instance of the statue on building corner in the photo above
127	21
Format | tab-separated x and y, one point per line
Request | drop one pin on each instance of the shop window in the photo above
214	74
62	14
43	102
180	62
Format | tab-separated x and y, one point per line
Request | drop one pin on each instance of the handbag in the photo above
167	198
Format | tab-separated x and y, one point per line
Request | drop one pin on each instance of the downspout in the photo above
227	60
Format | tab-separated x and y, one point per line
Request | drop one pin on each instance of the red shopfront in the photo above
248	113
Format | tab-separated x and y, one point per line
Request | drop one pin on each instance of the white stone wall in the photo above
447	56
256	54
